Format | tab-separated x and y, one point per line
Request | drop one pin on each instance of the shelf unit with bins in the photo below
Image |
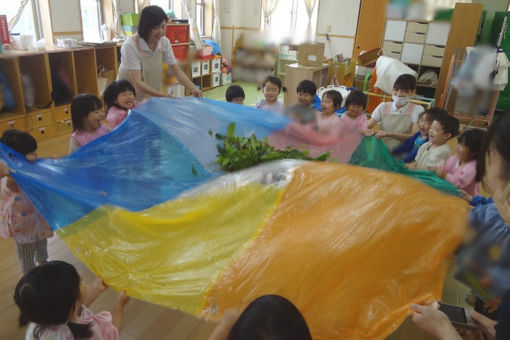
47	119
205	73
419	44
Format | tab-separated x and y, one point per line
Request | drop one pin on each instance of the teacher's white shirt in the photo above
130	58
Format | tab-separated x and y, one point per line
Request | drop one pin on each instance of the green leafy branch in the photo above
236	152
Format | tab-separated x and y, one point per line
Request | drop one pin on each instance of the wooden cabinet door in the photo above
370	25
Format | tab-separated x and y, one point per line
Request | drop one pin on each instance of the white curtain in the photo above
216	31
15	18
116	26
141	4
268	7
195	35
310	5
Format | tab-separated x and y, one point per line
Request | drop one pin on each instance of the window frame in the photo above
100	17
200	4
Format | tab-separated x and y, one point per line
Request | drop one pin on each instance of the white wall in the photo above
243	15
340	20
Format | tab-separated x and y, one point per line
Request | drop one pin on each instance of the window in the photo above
91	20
289	21
167	5
27	23
200	15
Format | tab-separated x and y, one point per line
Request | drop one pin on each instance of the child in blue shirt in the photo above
408	150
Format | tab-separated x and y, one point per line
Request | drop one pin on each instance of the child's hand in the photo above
122	299
465	196
411	166
223	329
4	170
99	285
369	132
382	133
440	173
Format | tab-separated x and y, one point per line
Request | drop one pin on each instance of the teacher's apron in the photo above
396	123
151	70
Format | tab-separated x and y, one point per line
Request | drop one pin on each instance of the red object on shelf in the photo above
177	34
4	30
180	52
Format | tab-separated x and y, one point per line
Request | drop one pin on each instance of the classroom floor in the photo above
144	320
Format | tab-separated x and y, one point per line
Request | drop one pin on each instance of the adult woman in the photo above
143	55
498	182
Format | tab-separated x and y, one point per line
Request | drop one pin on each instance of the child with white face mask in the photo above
398	119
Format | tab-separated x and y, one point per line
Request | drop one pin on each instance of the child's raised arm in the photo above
94	291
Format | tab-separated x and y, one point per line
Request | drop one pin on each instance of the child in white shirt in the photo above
272	86
436	151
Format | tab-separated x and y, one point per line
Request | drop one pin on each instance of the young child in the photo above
398	119
235	94
304	111
86	112
267	317
53	301
436	151
466	169
21	220
354	121
408	150
119	98
272	86
328	123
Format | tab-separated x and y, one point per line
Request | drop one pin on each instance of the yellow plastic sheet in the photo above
351	247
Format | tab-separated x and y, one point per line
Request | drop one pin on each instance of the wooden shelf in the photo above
180	44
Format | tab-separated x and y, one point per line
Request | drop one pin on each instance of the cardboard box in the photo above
311	54
4	30
368	58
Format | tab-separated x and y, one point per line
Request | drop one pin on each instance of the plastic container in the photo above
177	34
180	52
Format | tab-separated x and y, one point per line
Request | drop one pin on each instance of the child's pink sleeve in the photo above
309	135
363	122
463	176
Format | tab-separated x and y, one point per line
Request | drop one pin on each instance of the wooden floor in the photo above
142	320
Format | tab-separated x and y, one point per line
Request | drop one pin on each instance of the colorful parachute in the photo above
147	209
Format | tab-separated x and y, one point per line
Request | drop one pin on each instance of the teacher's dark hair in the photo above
151	17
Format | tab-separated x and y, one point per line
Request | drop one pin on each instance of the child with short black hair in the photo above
86	112
436	151
20	219
328	123
466	169
267	317
119	98
408	150
304	112
399	118
235	94
354	121
53	302
272	86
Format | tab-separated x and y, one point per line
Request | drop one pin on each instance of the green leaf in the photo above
231	129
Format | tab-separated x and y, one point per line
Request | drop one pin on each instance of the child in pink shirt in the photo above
53	302
119	98
328	123
466	169
354	121
86	111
